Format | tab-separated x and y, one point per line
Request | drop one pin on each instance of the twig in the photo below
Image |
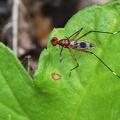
15	16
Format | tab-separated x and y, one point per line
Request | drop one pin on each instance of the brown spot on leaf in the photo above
56	76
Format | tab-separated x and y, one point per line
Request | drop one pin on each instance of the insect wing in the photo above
81	45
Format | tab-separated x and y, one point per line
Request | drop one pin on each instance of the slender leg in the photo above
61	54
97	32
101	62
77	64
74	35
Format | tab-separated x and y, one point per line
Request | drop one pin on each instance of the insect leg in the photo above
102	62
74	35
77	64
61	54
96	32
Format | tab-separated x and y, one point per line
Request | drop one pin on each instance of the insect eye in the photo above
54	41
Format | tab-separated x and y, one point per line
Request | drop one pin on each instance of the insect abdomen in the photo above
82	45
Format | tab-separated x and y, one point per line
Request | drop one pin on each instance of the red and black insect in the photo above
80	45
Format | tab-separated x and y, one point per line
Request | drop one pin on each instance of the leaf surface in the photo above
92	91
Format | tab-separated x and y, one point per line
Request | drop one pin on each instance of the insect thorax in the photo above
82	45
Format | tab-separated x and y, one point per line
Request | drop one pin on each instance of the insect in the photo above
77	44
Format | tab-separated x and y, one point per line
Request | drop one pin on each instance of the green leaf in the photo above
92	91
13	83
